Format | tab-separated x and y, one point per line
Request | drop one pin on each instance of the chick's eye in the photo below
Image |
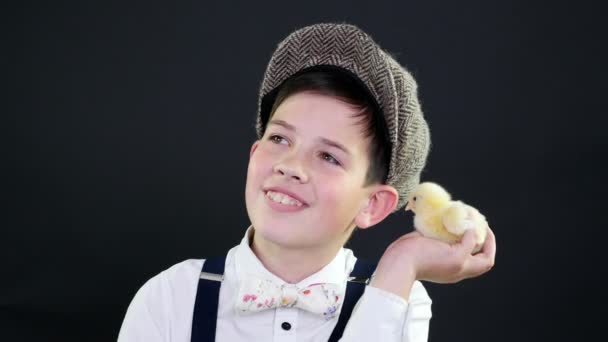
329	158
414	198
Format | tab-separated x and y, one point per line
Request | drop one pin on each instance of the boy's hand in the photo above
415	257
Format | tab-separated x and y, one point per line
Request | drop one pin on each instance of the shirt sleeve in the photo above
392	317
144	319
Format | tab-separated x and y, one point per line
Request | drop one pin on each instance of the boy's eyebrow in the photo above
323	140
336	145
282	123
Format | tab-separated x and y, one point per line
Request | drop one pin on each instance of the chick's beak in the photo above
409	205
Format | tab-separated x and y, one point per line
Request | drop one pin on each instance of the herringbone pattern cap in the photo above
394	88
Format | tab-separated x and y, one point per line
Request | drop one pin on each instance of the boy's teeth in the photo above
283	198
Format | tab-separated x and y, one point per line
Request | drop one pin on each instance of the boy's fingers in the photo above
489	247
479	264
483	261
468	241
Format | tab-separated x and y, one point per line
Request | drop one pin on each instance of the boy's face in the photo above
306	174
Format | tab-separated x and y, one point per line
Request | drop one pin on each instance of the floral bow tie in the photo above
257	294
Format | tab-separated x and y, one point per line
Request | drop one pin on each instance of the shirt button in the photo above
285	326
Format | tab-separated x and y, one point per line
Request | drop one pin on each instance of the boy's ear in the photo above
381	202
254	147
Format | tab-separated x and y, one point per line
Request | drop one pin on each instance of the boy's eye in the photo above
277	139
328	157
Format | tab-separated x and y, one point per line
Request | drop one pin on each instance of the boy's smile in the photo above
281	200
306	175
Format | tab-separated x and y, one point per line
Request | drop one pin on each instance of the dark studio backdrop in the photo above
129	127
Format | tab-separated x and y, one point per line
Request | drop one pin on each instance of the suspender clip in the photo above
212	276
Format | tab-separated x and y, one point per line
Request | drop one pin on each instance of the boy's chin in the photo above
291	234
281	233
279	236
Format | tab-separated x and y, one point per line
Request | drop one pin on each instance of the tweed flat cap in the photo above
349	48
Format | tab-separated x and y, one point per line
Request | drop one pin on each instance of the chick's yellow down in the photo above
437	216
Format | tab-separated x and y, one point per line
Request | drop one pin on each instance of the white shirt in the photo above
162	308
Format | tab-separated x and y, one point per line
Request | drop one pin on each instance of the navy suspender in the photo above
207	297
354	289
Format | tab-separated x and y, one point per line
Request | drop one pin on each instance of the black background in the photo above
129	127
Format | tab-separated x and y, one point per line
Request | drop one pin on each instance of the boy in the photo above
342	141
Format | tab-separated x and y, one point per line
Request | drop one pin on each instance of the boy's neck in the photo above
291	265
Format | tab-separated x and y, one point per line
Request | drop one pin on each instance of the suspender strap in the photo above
207	297
354	289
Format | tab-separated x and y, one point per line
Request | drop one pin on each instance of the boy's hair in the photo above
393	89
339	84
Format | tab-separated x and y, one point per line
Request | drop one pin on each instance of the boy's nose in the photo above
291	171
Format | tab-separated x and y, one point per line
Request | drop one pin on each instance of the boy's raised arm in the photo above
395	306
415	257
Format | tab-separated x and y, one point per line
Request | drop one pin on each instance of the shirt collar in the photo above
247	262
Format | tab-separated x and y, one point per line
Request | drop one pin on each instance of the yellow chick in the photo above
437	216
